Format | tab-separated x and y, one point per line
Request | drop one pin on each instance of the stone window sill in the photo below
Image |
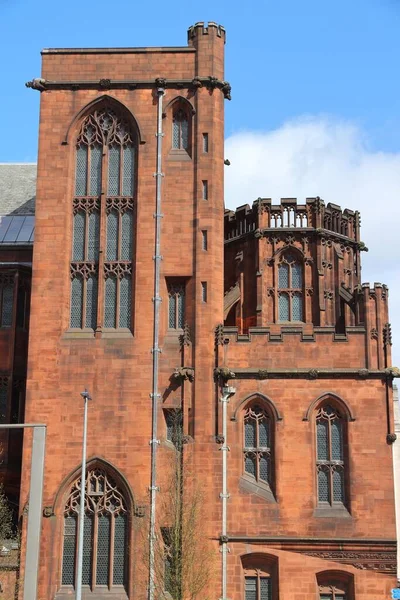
249	485
176	154
90	334
337	511
68	593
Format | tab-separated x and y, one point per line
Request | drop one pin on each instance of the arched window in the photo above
180	129
257	450
260	577
105	533
176	304
104	193
331	461
335	585
290	288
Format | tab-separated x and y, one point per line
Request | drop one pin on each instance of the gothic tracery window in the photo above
335	585
290	288
331	466
258	587
176	304
103	208
257	451
105	533
180	129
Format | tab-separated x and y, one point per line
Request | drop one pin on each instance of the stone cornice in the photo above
211	83
321	233
227	374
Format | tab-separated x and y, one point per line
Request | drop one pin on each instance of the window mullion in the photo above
102	241
111	550
94	552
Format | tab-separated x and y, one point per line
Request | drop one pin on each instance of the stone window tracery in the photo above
257	450
330	466
103	217
290	288
105	533
335	585
261	578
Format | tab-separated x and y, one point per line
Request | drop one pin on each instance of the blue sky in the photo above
315	86
283	58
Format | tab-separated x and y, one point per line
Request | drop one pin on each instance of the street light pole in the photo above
85	395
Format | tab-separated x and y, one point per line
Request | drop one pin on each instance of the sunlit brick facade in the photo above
286	321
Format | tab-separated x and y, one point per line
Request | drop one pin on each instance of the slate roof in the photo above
17	188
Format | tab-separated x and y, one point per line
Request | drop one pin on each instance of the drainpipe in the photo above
156	349
227	392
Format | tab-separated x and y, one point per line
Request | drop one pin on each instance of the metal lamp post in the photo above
86	397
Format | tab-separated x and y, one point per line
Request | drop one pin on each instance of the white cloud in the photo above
326	157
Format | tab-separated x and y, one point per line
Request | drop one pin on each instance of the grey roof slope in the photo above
17	188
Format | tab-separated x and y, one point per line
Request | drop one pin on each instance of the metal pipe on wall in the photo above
78	595
156	349
227	392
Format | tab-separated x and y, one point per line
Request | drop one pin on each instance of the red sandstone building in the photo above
271	304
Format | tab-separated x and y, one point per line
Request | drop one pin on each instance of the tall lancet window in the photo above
180	130
103	209
290	288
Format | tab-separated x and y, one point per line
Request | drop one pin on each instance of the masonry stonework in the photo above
338	351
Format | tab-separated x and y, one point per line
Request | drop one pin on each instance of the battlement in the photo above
202	28
314	214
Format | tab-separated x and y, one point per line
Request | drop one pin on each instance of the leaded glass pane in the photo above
185	132
110	302
68	570
251	588
265	588
264	468
3	403
322	440
103	550
127	173
176	133
7	307
250	465
325	597
250	434
263	433
336	437
91	302
297	279
340	597
112	235
78	252
283	307
94	236
76	302
127	235
338	485
81	170
114	158
297	307
323	486
181	309
95	170
119	550
87	550
283	276
125	296
172	311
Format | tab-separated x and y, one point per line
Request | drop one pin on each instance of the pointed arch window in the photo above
258	456
331	461
260	577
335	585
180	129
103	217
105	543
290	288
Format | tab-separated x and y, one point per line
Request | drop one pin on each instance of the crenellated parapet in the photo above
288	214
206	29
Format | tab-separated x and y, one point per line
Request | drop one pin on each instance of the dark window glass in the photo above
257	444
290	289
330	456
